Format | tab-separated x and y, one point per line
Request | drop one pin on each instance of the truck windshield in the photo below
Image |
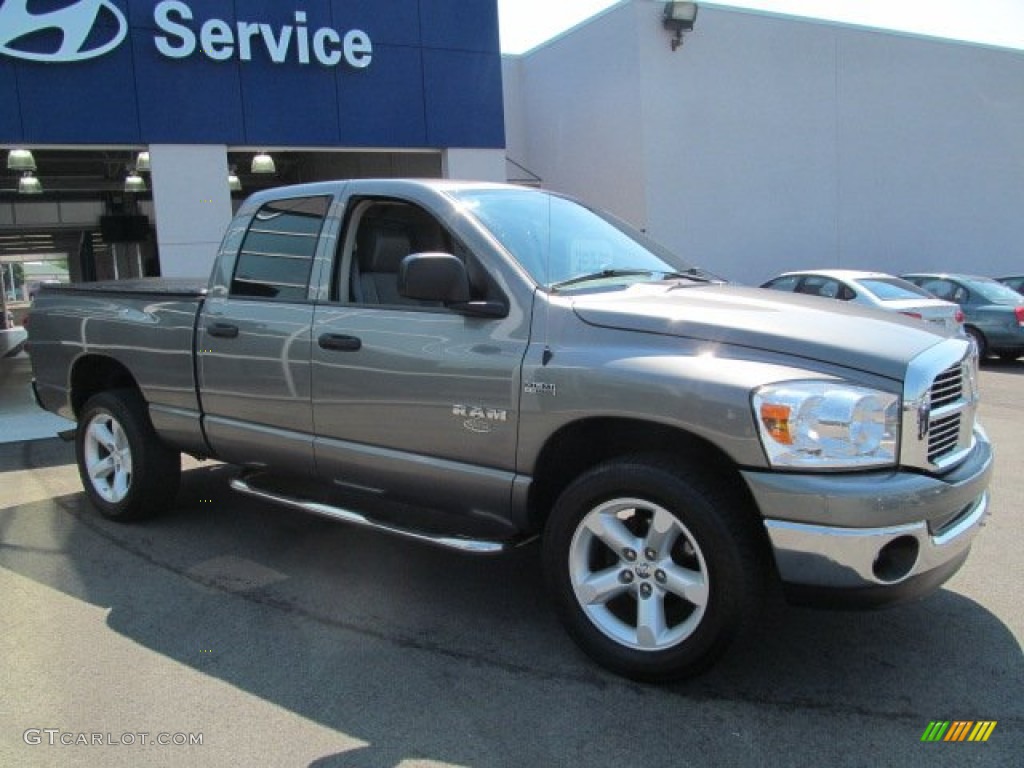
565	245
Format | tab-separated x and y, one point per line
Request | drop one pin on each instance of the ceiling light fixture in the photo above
133	182
20	160
234	183
263	163
28	184
142	162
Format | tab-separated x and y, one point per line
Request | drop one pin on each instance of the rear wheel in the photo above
654	570
128	473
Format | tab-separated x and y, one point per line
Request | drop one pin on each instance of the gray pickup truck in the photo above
476	366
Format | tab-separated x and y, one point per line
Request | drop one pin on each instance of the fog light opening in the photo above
896	559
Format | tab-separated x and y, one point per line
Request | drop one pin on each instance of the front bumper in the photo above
872	538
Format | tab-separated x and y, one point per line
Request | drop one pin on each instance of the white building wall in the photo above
931	154
581	110
741	162
768	143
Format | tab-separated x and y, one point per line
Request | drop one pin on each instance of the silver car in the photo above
873	289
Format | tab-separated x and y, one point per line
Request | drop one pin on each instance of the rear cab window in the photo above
276	256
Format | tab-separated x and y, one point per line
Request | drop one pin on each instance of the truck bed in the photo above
142	330
189	287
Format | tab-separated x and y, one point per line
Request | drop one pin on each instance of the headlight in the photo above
827	425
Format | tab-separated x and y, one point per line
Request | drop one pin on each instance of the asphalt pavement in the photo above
232	632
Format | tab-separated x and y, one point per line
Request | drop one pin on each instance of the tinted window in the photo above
943	289
993	291
893	289
820	286
785	283
277	253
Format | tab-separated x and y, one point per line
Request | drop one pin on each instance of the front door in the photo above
410	400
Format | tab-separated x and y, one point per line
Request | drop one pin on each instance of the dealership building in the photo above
751	143
175	110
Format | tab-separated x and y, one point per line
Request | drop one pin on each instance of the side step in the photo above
470	546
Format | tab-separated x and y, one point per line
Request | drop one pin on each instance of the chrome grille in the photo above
944	431
948	387
940	403
943	437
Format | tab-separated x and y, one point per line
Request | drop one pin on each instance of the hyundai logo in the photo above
77	26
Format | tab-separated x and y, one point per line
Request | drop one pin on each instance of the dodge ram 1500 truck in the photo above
476	366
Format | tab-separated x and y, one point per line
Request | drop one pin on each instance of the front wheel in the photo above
653	569
127	472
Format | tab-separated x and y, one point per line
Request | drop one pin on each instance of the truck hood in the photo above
813	328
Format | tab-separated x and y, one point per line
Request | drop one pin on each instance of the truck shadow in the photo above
385	640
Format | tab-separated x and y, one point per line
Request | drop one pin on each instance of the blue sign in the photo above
374	73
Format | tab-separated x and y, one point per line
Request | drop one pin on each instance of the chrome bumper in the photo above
889	535
845	558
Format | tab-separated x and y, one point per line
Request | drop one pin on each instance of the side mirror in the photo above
433	277
442	277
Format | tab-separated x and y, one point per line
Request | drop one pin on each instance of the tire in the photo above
653	569
128	473
979	342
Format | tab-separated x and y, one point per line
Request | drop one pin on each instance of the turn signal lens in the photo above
776	422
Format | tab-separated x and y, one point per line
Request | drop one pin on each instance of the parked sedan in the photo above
1014	281
872	289
994	313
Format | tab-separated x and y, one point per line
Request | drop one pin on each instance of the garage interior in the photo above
86	214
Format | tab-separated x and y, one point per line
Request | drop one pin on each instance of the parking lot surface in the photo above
233	632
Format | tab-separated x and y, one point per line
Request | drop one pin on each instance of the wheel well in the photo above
584	444
93	374
982	340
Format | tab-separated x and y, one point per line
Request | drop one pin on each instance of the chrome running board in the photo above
470	546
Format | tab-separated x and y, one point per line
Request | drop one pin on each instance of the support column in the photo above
474	164
192	205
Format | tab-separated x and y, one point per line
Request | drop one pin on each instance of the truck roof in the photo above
377	185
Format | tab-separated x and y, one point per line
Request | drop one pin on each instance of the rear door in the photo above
253	344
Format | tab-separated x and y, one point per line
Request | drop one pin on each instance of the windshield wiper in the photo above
696	274
603	274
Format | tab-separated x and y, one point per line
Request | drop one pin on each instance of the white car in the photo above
12	340
873	289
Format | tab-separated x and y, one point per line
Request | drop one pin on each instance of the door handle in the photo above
339	342
222	330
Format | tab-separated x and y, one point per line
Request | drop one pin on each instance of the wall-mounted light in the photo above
234	183
142	162
263	163
679	18
28	184
133	182
20	160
